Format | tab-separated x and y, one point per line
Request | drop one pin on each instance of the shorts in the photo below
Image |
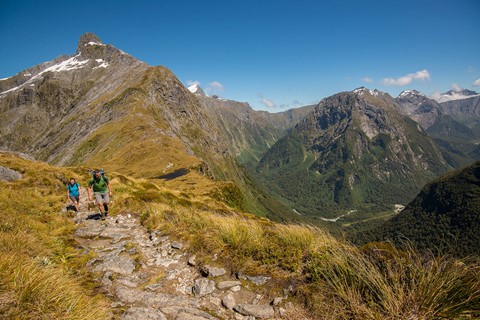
102	197
75	198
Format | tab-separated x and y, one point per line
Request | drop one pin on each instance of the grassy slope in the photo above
41	275
330	278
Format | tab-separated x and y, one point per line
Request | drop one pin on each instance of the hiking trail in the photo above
148	276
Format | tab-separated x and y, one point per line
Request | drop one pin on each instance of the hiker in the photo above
73	192
100	186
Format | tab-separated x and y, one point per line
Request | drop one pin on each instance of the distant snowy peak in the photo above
410	94
464	92
195	88
362	91
455	95
92	57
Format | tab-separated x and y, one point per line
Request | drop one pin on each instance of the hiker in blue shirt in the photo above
73	192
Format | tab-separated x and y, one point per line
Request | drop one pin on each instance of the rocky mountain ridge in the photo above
456	94
353	149
453	124
45	98
417	106
250	133
102	107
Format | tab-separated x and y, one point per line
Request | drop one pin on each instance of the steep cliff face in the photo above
250	133
417	106
354	149
465	111
102	107
60	98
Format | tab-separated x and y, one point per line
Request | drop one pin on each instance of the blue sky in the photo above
273	54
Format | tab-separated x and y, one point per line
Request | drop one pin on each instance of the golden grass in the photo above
334	280
41	274
40	291
340	280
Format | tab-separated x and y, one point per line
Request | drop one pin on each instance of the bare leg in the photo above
102	213
75	203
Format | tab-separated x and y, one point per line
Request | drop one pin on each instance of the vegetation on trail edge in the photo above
42	275
330	279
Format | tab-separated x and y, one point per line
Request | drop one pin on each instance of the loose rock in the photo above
257	311
203	286
139	313
7	174
228	301
225	285
213	271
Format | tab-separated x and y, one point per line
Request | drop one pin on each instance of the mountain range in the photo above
352	152
360	150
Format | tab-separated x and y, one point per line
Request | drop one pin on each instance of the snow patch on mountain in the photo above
73	63
93	43
408	93
362	90
196	89
70	64
103	64
193	88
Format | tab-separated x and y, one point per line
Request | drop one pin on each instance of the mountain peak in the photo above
88	39
455	94
410	94
362	90
195	88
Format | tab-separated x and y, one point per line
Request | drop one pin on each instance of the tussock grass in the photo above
385	283
337	280
42	276
333	280
39	291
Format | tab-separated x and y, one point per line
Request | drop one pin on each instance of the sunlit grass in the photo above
41	273
334	280
42	291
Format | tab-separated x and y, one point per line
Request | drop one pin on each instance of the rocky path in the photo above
149	276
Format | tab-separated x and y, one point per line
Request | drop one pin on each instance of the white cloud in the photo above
407	79
436	96
214	88
477	83
266	102
456	87
191	83
455	95
367	79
